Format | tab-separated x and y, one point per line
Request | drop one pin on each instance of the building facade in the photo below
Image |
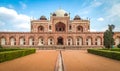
59	30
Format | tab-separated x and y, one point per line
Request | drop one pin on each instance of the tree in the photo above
108	37
118	45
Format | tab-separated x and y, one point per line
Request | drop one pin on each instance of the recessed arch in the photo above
98	40
69	40
79	28
117	40
79	40
40	28
60	41
3	40
22	40
89	41
50	40
12	40
31	40
40	40
60	27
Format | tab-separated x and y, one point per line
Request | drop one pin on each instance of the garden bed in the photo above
9	54
112	53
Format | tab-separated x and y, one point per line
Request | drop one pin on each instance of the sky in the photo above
15	15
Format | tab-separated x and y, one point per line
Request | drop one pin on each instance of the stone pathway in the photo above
59	63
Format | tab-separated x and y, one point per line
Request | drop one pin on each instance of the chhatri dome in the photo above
60	13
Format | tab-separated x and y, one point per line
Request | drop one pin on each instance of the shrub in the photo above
8	49
116	49
118	45
1	46
9	55
106	53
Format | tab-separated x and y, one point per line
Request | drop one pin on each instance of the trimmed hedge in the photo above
118	45
9	49
9	55
105	53
116	49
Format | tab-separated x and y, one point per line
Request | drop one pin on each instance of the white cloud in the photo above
88	8
6	30
24	6
115	10
15	20
96	4
100	19
93	30
113	15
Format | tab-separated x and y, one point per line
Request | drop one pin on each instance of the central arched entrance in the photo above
59	41
60	27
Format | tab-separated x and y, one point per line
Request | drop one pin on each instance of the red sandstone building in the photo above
59	30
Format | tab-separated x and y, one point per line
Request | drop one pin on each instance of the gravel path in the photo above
79	60
43	60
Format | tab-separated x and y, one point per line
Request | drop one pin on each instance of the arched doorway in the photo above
3	41
59	41
79	41
69	41
98	41
89	41
12	41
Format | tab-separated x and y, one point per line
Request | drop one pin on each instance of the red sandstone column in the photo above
7	40
36	40
55	38
84	40
26	40
74	40
93	40
45	40
17	40
65	40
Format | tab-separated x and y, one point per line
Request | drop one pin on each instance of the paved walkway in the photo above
74	60
79	60
43	60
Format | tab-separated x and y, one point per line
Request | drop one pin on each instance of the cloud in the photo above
96	4
100	19
89	6
117	29
114	11
11	18
113	15
93	30
24	6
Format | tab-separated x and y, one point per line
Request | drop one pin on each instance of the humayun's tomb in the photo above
59	30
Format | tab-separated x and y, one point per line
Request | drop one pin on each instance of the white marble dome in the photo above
60	13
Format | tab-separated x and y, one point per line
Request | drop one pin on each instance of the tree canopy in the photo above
108	36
